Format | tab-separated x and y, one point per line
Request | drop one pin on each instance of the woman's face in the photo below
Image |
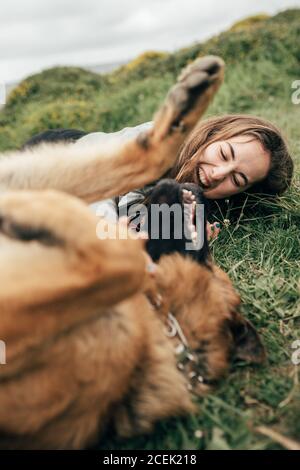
228	167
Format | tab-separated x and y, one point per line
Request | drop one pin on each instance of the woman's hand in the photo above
212	230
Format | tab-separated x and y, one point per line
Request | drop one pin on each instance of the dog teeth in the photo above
188	196
191	357
179	350
192	375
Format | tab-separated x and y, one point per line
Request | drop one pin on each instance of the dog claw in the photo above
189	97
208	65
195	78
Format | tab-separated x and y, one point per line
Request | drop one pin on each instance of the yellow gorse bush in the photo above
142	59
249	22
21	91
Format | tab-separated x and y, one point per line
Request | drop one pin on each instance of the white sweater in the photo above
108	207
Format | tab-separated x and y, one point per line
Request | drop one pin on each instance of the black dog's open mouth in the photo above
185	222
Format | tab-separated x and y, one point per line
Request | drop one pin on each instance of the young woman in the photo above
233	157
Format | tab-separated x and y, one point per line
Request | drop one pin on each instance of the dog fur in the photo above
85	347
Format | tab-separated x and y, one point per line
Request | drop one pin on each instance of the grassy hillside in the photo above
262	57
260	254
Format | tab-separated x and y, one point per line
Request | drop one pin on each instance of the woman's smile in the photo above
203	179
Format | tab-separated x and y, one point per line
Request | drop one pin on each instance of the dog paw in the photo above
189	97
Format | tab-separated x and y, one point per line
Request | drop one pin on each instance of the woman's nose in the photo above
218	173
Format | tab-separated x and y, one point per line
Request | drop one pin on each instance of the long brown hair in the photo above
211	130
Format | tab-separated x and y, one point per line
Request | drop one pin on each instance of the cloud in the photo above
41	33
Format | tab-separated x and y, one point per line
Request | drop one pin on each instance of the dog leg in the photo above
55	272
94	173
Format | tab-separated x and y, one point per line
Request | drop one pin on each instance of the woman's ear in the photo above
247	343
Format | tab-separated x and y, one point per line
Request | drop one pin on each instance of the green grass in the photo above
260	252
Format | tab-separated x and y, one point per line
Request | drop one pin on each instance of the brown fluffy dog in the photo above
85	347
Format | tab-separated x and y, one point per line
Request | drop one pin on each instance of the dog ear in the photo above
247	343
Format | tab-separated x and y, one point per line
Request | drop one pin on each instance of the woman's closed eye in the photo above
223	155
236	181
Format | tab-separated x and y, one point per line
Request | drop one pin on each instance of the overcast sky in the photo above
37	34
